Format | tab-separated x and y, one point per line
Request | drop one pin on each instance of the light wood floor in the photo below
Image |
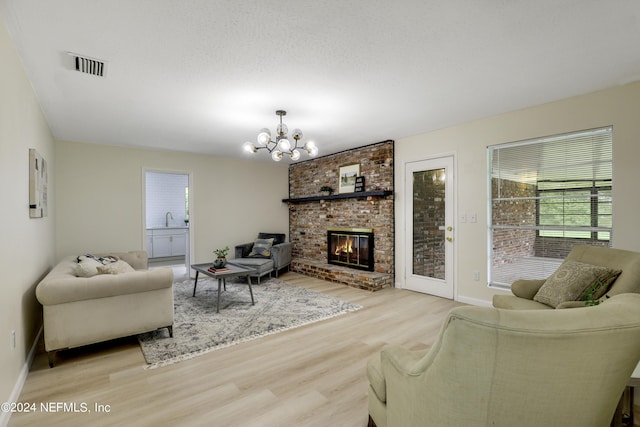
310	376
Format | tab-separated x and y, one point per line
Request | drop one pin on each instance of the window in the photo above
581	204
186	203
547	195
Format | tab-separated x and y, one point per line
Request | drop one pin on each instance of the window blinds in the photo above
547	195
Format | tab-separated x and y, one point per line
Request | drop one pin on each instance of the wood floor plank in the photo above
313	375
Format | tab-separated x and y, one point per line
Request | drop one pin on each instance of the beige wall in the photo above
100	198
27	249
617	106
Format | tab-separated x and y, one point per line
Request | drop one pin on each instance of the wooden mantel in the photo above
375	193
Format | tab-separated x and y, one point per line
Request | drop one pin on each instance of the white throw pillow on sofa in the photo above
87	267
117	267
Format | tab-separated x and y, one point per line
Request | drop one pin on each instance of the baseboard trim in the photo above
474	301
24	372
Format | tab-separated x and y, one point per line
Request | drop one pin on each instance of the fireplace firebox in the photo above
350	247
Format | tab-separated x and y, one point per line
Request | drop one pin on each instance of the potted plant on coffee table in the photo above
221	260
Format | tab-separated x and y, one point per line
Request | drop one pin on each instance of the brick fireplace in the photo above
311	215
351	247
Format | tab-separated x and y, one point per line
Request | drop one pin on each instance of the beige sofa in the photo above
78	311
525	368
628	282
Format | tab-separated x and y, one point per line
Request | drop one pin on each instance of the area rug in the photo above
198	329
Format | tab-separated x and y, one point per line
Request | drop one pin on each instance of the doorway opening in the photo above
167	220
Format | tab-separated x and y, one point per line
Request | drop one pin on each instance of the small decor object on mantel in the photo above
326	190
359	187
221	261
347	178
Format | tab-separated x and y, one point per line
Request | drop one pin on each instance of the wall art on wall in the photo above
348	175
37	185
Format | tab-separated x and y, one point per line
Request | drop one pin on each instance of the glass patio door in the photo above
430	228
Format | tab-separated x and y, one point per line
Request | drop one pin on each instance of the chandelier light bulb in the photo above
264	136
311	148
276	155
284	144
296	134
249	147
282	129
295	155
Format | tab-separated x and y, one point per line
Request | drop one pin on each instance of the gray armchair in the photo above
279	258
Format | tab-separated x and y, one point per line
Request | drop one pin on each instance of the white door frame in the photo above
443	288
191	246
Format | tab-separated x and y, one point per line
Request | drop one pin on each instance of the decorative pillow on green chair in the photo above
598	288
576	281
261	248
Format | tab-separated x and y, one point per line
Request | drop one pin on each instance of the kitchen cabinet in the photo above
166	242
149	243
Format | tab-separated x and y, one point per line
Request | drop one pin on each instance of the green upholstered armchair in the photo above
524	291
496	367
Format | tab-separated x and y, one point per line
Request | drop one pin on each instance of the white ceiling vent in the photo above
87	65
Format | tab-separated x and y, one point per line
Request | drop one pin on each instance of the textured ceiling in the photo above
204	76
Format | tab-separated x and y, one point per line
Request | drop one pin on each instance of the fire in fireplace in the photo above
350	247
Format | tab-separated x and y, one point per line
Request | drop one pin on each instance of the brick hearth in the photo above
309	220
370	281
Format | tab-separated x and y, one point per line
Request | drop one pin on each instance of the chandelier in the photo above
281	145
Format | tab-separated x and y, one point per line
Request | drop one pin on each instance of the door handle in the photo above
449	228
449	239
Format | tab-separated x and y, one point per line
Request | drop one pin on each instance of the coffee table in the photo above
229	272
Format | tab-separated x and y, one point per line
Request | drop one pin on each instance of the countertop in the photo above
169	228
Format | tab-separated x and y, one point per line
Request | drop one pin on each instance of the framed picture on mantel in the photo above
347	178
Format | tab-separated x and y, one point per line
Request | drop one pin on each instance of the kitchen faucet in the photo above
166	218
